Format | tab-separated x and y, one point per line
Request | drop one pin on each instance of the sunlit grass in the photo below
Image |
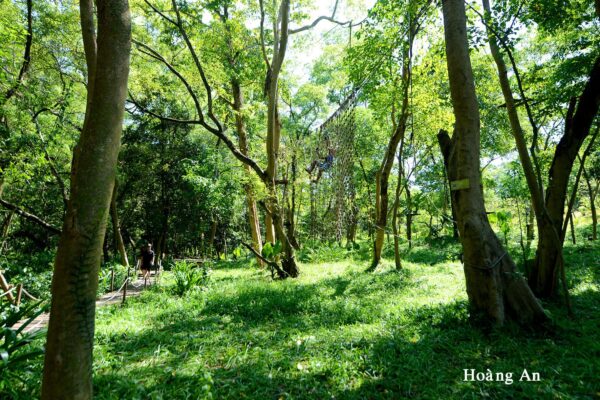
338	332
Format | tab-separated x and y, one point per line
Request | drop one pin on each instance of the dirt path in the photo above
133	289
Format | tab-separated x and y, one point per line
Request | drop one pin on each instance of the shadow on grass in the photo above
253	340
422	357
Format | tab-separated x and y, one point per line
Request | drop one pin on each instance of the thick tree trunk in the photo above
493	286
119	244
68	361
544	274
253	220
449	199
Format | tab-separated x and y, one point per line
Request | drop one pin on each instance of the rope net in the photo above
333	213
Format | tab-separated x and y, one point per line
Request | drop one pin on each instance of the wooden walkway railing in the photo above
129	288
9	289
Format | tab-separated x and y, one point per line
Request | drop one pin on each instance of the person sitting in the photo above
146	260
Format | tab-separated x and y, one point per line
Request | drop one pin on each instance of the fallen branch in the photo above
274	266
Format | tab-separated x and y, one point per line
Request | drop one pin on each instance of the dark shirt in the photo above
147	256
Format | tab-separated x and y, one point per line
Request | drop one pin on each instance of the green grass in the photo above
338	332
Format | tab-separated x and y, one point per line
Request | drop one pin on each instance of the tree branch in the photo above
262	34
33	218
321	18
26	54
282	274
190	47
158	116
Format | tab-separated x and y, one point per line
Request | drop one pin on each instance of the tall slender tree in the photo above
68	362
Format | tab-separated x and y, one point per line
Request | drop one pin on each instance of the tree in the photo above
400	123
544	275
280	36
493	286
68	361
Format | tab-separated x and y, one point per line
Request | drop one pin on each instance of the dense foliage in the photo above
200	69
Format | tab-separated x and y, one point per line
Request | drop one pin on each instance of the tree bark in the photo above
544	274
572	224
409	215
68	361
269	229
290	221
213	235
253	220
397	258
513	117
119	244
274	211
592	196
4	229
494	288
388	160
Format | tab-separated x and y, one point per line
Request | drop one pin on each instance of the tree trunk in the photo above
5	228
530	222
572	224
68	361
515	124
409	215
290	220
493	286
544	274
592	195
213	234
119	244
381	208
379	230
397	259
269	229
274	211
253	220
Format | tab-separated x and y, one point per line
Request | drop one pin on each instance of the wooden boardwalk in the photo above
134	288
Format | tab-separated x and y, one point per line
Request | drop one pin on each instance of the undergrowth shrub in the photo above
33	270
19	351
189	276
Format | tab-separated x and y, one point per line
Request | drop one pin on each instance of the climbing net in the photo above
333	212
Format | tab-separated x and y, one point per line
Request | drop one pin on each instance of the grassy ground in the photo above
340	333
